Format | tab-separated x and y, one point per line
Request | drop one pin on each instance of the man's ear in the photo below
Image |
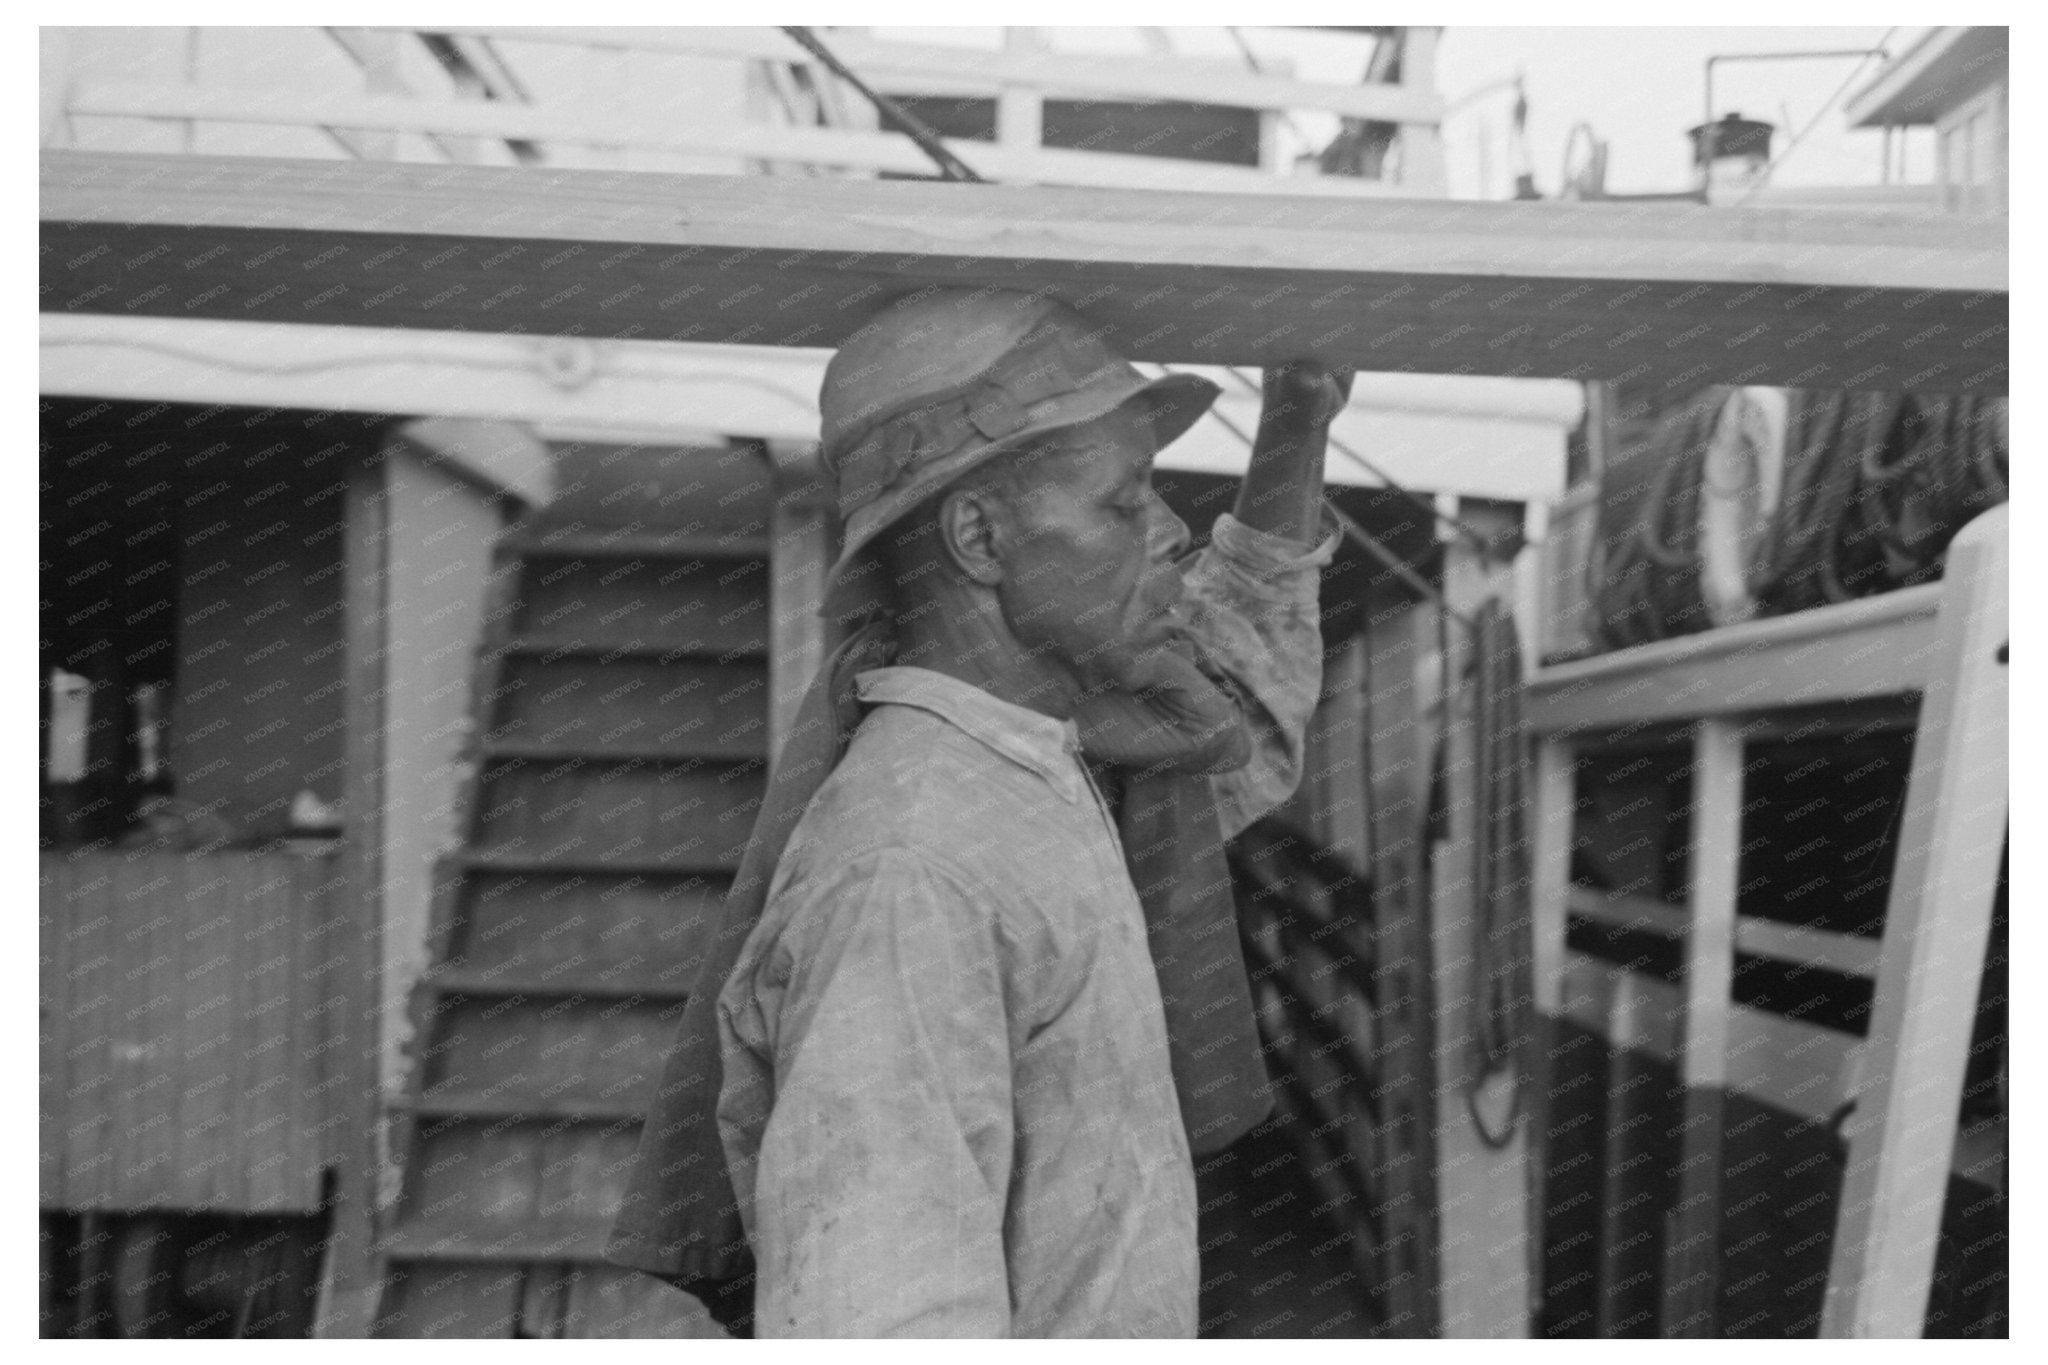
972	531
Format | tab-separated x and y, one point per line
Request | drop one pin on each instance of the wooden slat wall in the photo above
184	1050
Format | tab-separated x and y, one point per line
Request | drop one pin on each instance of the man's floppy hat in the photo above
940	382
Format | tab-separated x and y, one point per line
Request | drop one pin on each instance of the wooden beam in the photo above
1498	439
1577	291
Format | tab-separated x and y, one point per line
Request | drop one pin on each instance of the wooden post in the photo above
1901	1136
1020	109
377	51
350	1282
1693	1249
1552	799
1422	144
53	85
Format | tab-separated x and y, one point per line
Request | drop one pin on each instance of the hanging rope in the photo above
1875	485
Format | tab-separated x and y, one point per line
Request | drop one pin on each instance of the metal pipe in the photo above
1807	54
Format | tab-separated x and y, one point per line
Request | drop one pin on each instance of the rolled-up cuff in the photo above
1271	567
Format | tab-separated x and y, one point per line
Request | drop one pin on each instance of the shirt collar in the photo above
1047	746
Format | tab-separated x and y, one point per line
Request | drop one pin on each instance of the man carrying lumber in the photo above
978	992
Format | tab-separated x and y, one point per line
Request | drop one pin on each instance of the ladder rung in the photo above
572	753
657	650
508	1102
569	545
560	1239
490	860
479	981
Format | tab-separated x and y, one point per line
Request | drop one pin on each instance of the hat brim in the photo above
1175	402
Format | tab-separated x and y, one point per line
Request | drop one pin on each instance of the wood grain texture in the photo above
1581	291
181	1016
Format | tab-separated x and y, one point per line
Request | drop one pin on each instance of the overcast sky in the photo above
1641	88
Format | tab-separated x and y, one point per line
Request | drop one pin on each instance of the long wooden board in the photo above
1580	291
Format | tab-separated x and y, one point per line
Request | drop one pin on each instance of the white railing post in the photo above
1422	145
1020	109
53	82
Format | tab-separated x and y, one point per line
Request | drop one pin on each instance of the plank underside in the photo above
1813	298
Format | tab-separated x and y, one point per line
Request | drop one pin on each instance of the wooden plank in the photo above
1479	437
1849	954
1692	1289
1938	919
1596	291
1872	647
1620	910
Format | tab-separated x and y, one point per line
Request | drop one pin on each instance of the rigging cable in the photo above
903	121
1765	178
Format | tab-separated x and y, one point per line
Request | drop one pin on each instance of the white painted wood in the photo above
1622	911
1551	798
500	456
1422	147
1710	942
1100	75
605	127
1588	996
1846	953
1902	1135
53	85
1872	647
1020	108
1500	439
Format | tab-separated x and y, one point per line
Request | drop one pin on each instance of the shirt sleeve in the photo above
1251	600
884	1166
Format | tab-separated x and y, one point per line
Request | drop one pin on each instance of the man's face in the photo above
1089	571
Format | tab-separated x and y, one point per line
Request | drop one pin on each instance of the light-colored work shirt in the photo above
947	1105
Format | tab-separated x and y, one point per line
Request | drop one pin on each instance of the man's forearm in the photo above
1282	492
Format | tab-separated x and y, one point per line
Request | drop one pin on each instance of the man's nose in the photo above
1166	535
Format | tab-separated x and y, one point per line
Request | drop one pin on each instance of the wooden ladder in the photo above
621	712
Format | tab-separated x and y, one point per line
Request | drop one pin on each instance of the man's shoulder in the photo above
912	782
